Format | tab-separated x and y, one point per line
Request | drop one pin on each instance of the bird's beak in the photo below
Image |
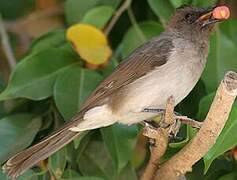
207	18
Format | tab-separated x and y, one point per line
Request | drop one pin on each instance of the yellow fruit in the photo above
90	42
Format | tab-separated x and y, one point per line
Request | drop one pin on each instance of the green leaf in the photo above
51	39
210	74
227	57
136	36
35	75
113	3
70	174
17	132
14	9
75	10
28	175
189	134
204	106
227	138
178	3
202	3
77	141
95	161
163	9
229	29
128	172
230	176
222	56
57	162
98	16
120	141
72	87
84	178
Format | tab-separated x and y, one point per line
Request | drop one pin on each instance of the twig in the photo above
15	26
116	16
6	45
161	137
217	116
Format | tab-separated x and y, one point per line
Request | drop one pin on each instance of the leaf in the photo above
163	9
70	174
17	132
72	87
210	73
189	106
178	3
133	37
90	43
15	9
98	16
75	10
35	75
28	175
113	3
128	172
120	141
202	3
84	178
222	56
219	167
227	56
230	176
57	162
189	134
227	138
204	105
229	29
95	161
51	39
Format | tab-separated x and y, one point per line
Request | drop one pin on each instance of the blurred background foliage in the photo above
52	78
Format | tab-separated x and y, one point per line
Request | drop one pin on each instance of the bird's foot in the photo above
150	131
174	128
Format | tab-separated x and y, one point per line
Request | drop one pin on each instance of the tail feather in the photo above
29	157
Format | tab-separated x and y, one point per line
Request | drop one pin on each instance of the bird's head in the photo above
197	21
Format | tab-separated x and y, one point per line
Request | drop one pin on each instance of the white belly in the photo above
153	90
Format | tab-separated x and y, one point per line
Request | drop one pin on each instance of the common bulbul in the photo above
168	65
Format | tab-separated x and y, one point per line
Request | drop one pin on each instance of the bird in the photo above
167	65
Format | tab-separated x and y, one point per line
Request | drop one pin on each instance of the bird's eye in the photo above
190	18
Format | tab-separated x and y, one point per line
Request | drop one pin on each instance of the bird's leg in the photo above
153	110
151	132
178	117
169	120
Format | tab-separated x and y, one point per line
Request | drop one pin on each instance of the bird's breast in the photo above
177	78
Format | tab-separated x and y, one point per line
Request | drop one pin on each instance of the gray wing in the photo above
150	55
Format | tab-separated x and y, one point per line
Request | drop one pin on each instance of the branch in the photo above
116	16
6	45
161	137
16	26
216	118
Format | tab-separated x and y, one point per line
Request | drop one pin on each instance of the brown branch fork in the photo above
210	129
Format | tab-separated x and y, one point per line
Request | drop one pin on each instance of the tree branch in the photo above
6	45
161	138
116	16
216	118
